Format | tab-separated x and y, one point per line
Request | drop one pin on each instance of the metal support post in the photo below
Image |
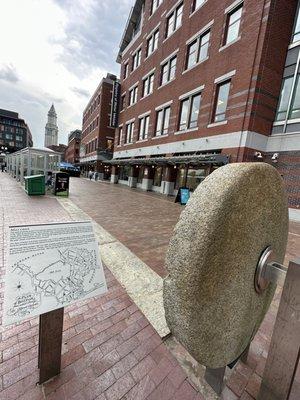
50	342
284	353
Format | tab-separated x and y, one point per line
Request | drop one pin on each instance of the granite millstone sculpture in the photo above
210	301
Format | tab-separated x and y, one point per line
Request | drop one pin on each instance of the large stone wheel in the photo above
210	301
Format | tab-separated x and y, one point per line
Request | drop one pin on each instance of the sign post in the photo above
49	267
50	342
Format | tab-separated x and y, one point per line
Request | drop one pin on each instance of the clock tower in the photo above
51	129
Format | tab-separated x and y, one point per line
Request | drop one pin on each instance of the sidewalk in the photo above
110	351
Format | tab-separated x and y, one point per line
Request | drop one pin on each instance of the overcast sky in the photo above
57	51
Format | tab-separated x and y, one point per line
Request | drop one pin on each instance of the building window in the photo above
189	112
296	32
197	4
125	71
144	127
120	135
194	177
136	59
9	136
162	121
140	175
157	176
123	97
124	173
233	24
295	105
222	95
148	85
109	144
129	132
133	95
285	95
197	51
168	70
152	43
174	20
19	138
154	5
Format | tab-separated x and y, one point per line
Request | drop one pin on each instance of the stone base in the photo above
147	184
114	179
132	181
167	188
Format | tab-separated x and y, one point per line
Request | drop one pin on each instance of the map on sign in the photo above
49	267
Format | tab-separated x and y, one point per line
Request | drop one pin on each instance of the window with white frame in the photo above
154	5
133	95
168	70
197	50
129	132
197	4
189	112
144	127
148	85
136	59
162	121
221	101
152	42
233	24
120	135
296	32
283	105
125	71
174	20
123	101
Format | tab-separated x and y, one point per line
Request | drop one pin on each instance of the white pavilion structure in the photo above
32	161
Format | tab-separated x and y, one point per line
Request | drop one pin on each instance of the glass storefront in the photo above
190	177
124	173
181	177
194	177
140	175
157	176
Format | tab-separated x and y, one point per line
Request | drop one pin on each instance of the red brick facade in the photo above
254	64
73	149
97	134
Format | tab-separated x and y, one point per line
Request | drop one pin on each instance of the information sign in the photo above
49	267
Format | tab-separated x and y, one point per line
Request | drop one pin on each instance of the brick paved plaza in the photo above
110	350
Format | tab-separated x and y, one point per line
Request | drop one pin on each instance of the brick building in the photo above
14	132
73	149
200	87
60	148
97	138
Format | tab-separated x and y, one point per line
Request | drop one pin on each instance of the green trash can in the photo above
35	185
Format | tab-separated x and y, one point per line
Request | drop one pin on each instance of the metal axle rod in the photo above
268	270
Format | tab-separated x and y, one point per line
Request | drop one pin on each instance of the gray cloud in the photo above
80	92
8	73
33	107
98	30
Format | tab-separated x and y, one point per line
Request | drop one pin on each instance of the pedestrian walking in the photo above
2	167
90	174
96	176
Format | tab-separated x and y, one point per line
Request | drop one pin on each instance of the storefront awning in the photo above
218	159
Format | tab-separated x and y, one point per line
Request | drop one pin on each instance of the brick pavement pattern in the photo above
110	351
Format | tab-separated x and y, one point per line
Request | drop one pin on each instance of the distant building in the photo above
97	135
60	148
51	129
73	149
14	132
